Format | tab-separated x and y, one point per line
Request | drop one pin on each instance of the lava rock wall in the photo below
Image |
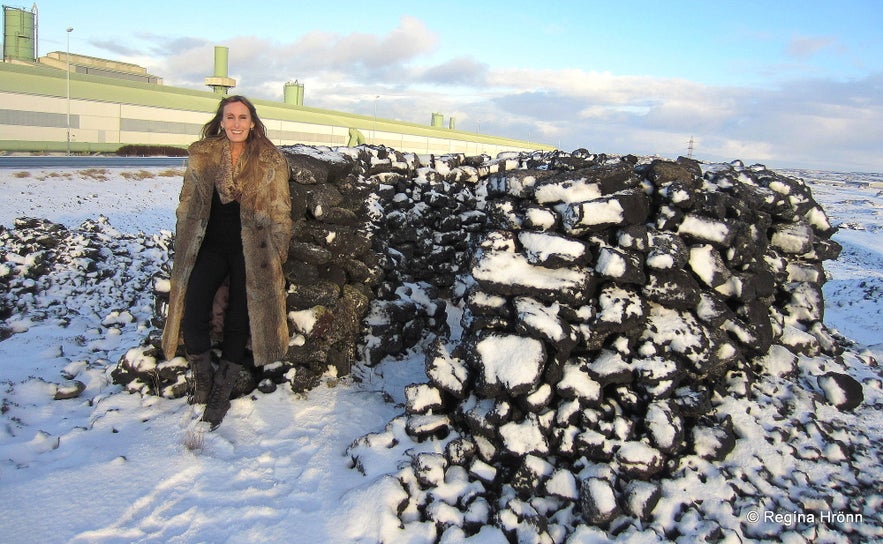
581	253
608	302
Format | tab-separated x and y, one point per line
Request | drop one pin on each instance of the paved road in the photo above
56	161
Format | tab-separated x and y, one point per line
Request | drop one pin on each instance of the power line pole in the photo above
68	75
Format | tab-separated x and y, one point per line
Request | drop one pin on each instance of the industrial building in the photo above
65	102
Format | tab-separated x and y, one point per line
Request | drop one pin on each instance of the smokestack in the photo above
219	82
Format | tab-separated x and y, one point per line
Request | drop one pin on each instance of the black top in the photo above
224	230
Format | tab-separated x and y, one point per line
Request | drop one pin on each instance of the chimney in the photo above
219	82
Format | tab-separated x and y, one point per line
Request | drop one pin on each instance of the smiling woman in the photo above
233	230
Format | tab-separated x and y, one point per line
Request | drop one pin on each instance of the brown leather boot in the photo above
219	399
201	377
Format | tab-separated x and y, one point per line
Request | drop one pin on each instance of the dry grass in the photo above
51	175
48	175
140	174
194	440
171	173
101	174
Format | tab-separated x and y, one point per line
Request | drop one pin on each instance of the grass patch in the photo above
100	174
140	174
171	173
21	175
194	440
51	175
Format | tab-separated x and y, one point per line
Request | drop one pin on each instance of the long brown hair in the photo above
257	136
213	129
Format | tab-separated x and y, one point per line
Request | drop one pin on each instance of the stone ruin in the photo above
47	269
605	301
583	254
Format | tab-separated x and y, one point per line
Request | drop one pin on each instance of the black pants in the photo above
211	267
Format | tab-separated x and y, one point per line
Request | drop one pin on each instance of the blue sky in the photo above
780	82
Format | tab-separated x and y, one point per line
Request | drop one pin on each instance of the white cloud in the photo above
803	47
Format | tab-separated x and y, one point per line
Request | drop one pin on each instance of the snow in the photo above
540	218
70	196
660	261
543	246
449	373
638	453
480	298
595	212
563	484
608	363
707	265
514	269
482	470
303	320
794	239
570	191
659	422
524	437
577	382
109	466
601	494
833	392
704	228
541	318
610	263
515	362
422	397
617	304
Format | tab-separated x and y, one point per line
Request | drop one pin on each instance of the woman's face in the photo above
236	122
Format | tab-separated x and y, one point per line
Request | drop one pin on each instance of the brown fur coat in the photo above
265	212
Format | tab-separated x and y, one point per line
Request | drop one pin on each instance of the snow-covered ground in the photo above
854	295
109	466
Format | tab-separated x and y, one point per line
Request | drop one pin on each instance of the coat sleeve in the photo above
188	236
191	214
280	205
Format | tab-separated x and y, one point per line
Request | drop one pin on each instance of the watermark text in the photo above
827	517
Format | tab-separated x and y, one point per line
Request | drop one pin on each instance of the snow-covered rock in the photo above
598	501
607	304
841	390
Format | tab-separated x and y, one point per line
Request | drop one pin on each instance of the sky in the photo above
784	83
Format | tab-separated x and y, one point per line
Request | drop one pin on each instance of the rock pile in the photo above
427	224
608	305
574	251
39	258
331	269
68	276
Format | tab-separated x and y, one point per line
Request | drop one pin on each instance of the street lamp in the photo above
69	30
374	131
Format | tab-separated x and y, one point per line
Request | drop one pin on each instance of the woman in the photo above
233	223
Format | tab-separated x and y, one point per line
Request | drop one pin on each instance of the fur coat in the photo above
265	211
